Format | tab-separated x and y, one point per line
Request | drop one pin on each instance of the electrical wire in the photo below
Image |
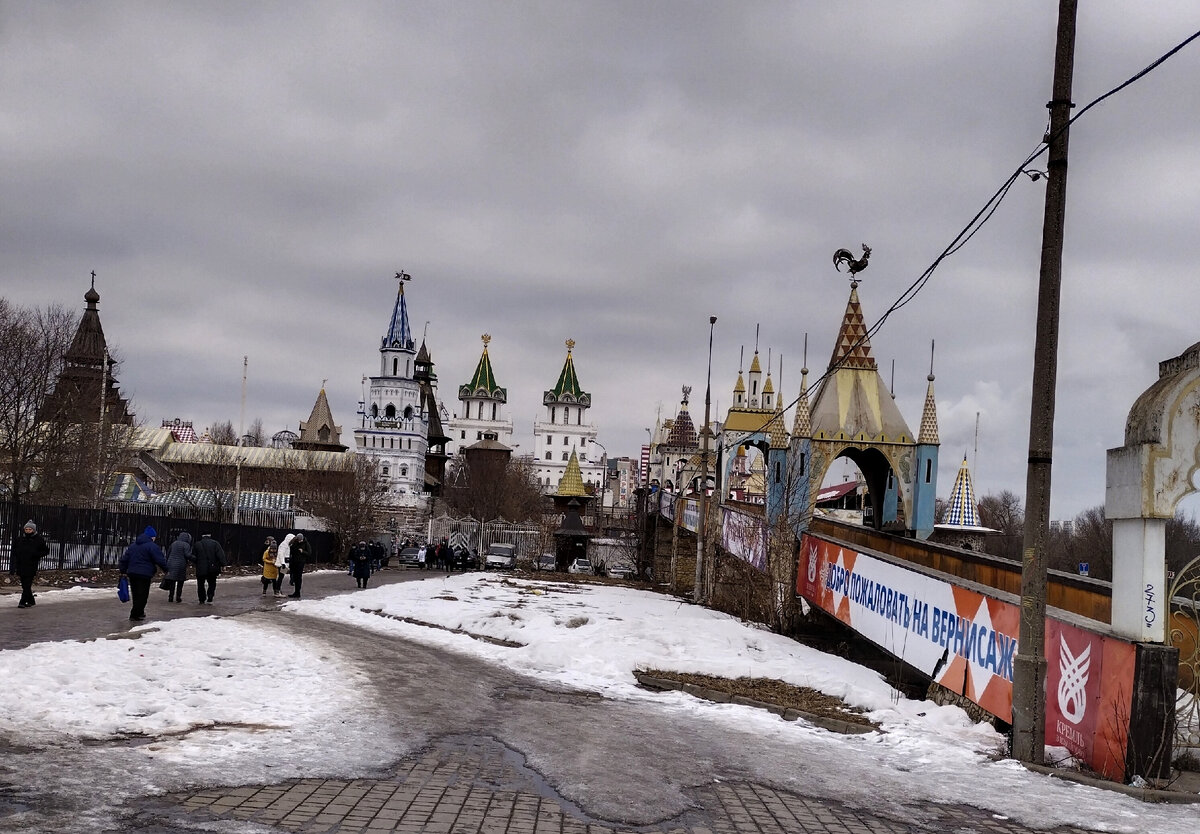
976	223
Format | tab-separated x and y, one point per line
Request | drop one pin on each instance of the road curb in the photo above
1144	794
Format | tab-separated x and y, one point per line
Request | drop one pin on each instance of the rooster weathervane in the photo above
853	265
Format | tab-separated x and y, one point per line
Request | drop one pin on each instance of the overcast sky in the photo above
245	179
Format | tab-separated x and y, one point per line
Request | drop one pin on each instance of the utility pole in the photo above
698	594
1029	666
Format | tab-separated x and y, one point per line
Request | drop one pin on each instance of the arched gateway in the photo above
1147	477
855	416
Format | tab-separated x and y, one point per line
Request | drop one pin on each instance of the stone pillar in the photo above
1139	601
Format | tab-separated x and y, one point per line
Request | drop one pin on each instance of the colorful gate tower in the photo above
854	415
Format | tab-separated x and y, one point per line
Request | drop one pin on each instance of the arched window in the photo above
374	410
390	412
549	456
408	412
579	416
395	366
403	471
385	470
553	414
566	456
493	411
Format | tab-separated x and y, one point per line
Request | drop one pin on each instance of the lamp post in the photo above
603	479
702	542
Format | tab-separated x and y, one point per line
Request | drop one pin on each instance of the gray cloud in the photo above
246	179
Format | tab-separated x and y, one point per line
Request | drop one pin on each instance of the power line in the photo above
981	217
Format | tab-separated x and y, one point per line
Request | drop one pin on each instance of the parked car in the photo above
465	559
547	561
580	565
618	571
409	556
502	556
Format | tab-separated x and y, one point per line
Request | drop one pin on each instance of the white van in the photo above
502	556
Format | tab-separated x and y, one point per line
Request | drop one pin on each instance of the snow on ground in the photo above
230	701
201	701
595	636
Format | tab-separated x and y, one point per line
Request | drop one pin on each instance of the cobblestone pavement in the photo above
477	786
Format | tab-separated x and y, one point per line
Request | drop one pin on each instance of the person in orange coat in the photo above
270	574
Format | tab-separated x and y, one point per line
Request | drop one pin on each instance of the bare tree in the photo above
511	493
256	435
33	346
223	434
353	506
1004	512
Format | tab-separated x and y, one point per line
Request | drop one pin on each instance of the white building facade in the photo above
565	427
394	429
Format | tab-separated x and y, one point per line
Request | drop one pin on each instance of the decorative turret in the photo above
802	424
755	381
853	348
481	410
565	428
88	370
962	509
319	433
567	390
925	477
396	349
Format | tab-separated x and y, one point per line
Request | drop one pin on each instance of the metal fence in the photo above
96	538
477	535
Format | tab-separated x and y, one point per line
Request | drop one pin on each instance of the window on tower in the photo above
566	456
553	414
374	410
385	470
408	412
395	366
390	412
579	416
549	456
493	411
403	471
464	435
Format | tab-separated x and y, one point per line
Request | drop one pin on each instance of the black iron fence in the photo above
96	538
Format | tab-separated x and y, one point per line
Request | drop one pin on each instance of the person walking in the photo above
301	552
362	567
178	556
209	558
27	552
140	561
270	573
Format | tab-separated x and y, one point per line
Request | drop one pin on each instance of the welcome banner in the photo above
967	640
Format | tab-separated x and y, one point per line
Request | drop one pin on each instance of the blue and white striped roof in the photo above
963	511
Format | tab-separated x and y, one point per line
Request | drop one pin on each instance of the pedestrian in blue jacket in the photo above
140	562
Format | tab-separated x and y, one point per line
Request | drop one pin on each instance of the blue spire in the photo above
399	335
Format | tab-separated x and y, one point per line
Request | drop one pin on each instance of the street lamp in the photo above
603	478
705	434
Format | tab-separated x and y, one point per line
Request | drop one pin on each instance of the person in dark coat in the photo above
362	566
301	553
357	554
208	557
27	552
140	562
178	556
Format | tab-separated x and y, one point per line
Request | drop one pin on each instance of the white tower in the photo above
394	428
482	410
563	428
